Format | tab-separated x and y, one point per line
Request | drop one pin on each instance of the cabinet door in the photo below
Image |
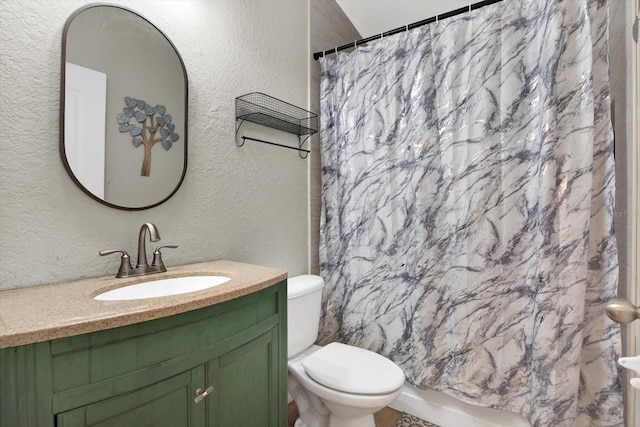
168	403
246	382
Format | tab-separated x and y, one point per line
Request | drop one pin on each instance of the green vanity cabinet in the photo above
165	403
152	373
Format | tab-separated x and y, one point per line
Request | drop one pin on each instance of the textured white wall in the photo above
245	204
372	17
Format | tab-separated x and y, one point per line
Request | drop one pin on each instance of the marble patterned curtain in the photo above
467	222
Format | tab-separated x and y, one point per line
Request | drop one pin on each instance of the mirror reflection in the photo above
123	108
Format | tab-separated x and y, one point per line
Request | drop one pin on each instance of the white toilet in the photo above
336	385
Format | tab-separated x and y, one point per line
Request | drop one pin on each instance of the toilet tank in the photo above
304	294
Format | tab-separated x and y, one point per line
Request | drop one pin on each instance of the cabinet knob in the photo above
200	395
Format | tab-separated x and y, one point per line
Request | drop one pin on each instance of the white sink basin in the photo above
162	288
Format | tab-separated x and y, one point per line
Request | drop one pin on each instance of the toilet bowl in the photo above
337	385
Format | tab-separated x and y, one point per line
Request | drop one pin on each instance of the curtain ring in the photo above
355	44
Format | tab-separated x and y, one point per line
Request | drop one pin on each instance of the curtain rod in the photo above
408	27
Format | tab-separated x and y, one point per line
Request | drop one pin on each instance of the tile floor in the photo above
386	417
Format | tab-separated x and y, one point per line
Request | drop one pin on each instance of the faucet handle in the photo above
125	261
157	256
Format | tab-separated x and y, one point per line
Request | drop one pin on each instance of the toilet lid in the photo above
353	370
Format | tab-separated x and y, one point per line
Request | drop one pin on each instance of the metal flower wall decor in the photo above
144	122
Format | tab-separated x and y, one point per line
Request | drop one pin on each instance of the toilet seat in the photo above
353	370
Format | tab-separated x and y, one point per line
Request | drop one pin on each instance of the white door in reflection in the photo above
84	132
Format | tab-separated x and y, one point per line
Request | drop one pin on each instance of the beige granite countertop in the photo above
47	312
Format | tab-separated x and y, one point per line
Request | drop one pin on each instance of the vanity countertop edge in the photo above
42	313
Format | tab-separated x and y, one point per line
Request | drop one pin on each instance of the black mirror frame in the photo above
63	155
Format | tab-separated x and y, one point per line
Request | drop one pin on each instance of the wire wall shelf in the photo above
262	109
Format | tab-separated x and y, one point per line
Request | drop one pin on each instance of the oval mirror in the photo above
123	108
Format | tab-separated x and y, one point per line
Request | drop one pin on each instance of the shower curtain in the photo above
467	219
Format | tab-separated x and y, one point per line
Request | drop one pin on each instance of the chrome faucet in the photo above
142	267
